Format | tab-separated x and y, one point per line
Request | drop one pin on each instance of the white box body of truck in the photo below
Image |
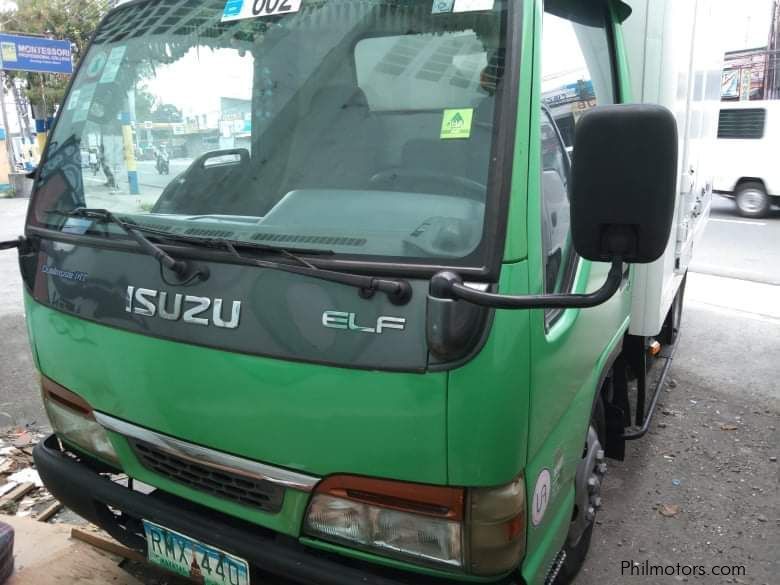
676	58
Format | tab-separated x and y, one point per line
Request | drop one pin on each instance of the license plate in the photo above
185	556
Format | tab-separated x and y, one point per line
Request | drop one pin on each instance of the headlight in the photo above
392	532
72	420
479	531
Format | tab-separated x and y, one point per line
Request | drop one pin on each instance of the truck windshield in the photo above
365	127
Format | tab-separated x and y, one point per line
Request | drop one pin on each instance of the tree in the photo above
167	113
144	104
148	108
75	20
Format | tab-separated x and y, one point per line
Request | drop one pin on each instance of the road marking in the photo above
742	221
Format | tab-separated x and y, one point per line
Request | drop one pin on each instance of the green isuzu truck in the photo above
374	325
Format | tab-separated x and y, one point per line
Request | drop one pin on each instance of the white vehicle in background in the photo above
746	155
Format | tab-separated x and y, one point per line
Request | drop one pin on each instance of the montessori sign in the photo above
20	53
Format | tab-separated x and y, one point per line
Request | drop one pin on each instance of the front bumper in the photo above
80	486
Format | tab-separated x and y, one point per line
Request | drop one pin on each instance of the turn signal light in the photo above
72	419
496	528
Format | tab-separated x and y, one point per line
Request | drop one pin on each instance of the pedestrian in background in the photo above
110	179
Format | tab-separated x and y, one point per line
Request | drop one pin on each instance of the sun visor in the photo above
586	12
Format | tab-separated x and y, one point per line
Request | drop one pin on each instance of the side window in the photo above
556	233
577	75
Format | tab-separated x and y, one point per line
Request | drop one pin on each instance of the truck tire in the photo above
752	200
590	474
6	552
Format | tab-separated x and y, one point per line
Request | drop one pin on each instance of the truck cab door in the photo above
569	348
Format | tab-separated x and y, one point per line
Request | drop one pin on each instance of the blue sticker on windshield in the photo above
77	225
233	8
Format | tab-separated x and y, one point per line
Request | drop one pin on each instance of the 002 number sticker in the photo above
269	7
241	9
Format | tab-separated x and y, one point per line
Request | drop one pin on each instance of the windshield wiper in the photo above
293	253
398	291
180	267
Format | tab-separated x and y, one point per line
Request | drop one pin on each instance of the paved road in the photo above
739	248
19	396
149	177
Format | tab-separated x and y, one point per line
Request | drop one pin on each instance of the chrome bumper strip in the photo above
209	457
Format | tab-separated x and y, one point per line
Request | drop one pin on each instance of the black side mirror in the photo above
624	183
623	191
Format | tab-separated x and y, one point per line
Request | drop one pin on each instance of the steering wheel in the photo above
462	186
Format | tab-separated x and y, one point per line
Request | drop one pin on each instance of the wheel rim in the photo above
751	200
587	486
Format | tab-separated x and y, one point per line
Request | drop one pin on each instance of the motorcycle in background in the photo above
163	163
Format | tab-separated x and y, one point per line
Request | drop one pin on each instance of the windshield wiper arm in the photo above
398	291
180	267
293	253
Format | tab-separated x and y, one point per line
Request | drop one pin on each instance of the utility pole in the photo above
9	143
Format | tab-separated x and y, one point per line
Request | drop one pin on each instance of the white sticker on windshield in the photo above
113	64
86	93
241	9
473	5
73	100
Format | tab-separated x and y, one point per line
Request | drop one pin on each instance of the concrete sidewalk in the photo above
751	299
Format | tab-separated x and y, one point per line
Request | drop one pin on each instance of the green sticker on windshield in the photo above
457	123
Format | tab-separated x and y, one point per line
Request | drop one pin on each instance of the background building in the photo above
752	74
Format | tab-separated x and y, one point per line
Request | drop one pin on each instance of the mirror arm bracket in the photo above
449	285
20	243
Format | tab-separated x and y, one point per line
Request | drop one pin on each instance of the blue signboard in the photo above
18	53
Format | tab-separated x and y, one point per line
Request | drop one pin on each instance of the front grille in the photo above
222	484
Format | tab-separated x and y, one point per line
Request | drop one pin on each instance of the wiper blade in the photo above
398	291
180	267
292	253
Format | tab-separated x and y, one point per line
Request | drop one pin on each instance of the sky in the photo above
750	21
